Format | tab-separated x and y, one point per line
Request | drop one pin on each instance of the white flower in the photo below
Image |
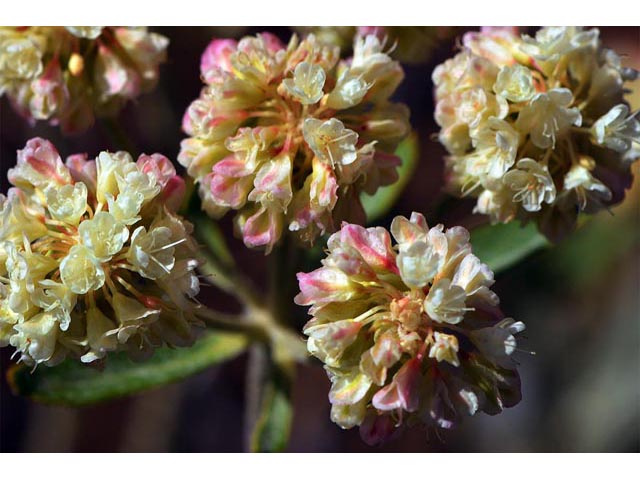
306	85
56	298
67	203
497	202
349	91
587	188
99	336
103	235
126	206
547	116
445	348
131	179
553	42
85	32
81	271
515	83
445	302
498	342
617	129
108	165
475	278
418	264
132	315
151	253
496	147
36	338
477	105
531	183
21	59
331	141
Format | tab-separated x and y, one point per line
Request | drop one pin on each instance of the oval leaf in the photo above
502	245
74	384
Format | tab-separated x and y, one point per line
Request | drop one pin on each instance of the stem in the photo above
282	266
257	371
229	281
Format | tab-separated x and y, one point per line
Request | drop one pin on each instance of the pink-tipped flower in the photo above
70	75
289	136
216	58
172	185
409	333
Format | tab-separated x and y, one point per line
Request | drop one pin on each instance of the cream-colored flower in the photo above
81	271
496	148
445	349
331	141
86	32
531	184
81	277
349	91
549	102
401	352
151	253
306	84
617	129
68	203
515	83
69	75
103	235
21	59
587	188
446	302
289	136
548	116
99	336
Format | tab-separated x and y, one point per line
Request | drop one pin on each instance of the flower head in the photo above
411	44
68	75
409	333
536	127
288	136
93	257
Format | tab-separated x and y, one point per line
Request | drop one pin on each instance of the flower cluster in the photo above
93	257
411	44
69	75
408	334
537	128
290	136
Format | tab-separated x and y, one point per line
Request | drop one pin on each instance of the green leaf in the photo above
270	411
596	248
502	245
379	204
74	384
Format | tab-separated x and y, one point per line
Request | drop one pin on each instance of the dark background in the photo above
580	301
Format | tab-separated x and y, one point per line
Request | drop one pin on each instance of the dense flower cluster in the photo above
93	257
408	334
411	44
69	75
290	136
537	128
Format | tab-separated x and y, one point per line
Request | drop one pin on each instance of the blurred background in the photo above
580	301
